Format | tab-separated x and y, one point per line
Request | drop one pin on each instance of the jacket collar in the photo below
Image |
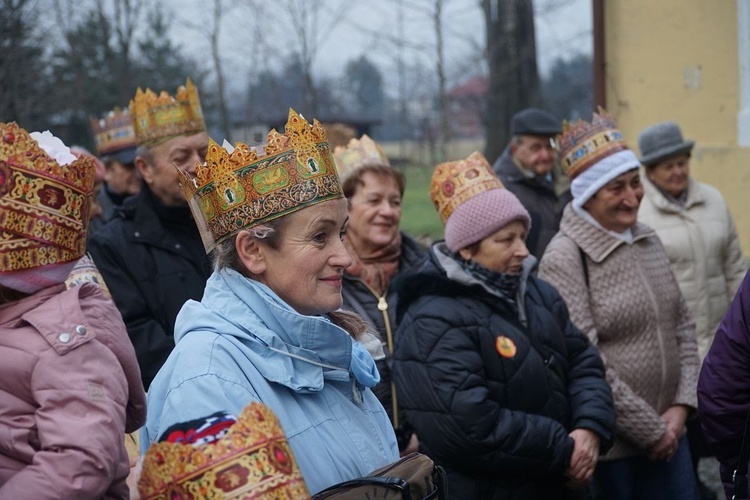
511	171
147	227
297	351
594	241
55	313
695	196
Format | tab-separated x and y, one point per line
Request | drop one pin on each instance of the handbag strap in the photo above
392	483
740	480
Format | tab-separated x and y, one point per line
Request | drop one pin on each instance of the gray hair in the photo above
145	152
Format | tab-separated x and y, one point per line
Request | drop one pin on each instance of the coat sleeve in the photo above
191	399
561	266
689	361
80	420
151	342
724	385
589	393
101	311
733	262
441	380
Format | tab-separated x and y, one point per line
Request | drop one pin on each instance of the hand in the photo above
584	457
675	418
665	446
411	447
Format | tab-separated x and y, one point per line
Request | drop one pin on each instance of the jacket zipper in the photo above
383	308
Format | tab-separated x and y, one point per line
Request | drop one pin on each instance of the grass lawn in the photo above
419	217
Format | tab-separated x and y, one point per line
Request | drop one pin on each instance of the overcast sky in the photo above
563	29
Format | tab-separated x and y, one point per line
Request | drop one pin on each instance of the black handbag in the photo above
414	477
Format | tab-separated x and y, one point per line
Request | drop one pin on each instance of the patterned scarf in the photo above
505	285
378	268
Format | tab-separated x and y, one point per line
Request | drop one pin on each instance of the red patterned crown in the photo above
454	182
158	118
44	206
583	144
114	132
253	460
244	187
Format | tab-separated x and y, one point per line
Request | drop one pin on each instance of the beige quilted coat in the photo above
703	249
632	309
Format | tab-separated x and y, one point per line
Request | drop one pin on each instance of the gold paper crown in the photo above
339	134
253	460
114	132
583	144
242	189
357	154
44	207
454	182
159	118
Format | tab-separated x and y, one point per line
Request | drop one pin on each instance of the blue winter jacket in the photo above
242	343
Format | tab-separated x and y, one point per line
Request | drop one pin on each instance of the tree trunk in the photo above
444	133
514	81
216	55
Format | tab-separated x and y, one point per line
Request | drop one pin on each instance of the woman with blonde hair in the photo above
268	328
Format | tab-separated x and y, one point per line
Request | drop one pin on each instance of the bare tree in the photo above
216	56
514	80
440	68
22	94
311	33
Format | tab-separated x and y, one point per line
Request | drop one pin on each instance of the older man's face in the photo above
534	152
160	174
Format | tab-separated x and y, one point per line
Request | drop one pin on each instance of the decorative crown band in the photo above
253	460
241	187
114	132
357	154
159	118
454	182
583	144
44	206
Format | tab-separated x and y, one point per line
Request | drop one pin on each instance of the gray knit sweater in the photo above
632	309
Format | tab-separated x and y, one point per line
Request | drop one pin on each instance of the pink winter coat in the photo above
70	388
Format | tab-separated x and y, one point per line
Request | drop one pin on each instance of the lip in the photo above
334	281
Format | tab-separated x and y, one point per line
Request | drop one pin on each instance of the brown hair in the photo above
351	183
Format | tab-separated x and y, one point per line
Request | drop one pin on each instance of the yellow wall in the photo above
678	60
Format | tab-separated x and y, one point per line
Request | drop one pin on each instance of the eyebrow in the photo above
329	222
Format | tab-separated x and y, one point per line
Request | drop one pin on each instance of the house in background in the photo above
466	108
689	62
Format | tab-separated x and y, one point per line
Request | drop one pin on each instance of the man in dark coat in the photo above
116	146
151	254
529	169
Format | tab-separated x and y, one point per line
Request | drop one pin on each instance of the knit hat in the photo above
472	202
661	141
593	155
532	121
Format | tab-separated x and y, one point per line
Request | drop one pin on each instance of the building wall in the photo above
679	60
